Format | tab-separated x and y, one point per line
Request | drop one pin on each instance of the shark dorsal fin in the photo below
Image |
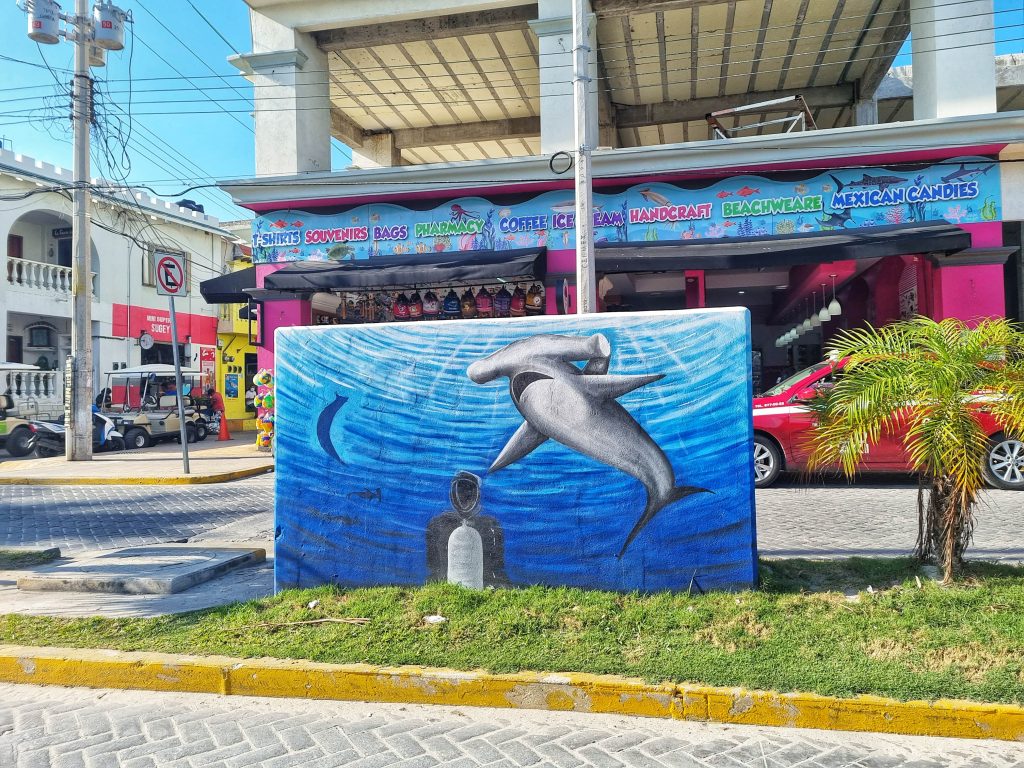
521	443
610	387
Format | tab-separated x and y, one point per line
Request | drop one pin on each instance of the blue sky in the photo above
166	148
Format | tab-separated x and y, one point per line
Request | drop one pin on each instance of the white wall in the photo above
117	260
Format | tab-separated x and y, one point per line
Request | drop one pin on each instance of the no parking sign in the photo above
170	274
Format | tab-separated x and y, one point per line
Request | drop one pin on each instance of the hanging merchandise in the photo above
431	306
502	302
415	306
401	307
468	304
264	402
484	303
517	308
535	300
451	309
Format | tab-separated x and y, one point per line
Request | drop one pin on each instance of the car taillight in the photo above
32	428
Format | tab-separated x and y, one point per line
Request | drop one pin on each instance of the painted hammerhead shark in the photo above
577	408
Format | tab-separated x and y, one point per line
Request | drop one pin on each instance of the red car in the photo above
783	423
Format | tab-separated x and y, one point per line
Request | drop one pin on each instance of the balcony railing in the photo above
36	276
35	393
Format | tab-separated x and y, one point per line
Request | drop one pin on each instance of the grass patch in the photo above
14	559
813	627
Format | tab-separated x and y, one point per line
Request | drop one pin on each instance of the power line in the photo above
390	103
667	38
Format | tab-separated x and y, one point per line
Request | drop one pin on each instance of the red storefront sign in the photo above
131	321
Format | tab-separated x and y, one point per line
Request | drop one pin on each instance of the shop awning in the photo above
407	270
229	288
782	250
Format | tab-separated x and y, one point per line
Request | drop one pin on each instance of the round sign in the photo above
170	276
146	341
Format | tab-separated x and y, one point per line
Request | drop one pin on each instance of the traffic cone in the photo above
223	429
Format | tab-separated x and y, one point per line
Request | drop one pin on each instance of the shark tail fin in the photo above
656	505
839	184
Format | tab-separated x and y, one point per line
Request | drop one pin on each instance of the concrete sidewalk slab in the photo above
210	462
163	569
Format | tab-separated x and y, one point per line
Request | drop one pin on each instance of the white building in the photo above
130	322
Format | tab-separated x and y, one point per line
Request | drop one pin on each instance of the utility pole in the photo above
78	446
586	277
101	26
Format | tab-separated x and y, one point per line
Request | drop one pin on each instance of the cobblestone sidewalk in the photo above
56	727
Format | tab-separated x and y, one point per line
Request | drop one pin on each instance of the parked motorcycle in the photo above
51	436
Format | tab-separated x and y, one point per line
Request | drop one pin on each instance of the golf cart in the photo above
16	432
143	404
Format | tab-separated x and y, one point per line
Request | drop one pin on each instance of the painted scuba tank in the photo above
484	303
415	306
466	557
468	304
431	306
517	307
502	302
400	309
535	300
451	308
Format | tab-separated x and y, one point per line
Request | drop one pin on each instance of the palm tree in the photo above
926	380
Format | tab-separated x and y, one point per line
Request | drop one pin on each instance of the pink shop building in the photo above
890	203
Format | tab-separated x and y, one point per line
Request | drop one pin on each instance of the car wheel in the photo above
19	443
137	438
1004	463
190	433
47	451
202	431
767	461
116	444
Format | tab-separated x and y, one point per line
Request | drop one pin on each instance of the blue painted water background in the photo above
413	419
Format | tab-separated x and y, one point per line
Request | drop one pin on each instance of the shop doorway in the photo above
64	252
163	354
14	353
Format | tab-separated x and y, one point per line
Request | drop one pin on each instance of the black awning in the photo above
782	250
384	272
229	288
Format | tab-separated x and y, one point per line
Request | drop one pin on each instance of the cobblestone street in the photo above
52	727
876	516
77	518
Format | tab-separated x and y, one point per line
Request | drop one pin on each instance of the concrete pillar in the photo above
291	97
554	36
865	112
378	151
954	58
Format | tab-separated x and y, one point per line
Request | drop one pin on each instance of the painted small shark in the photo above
837	220
578	409
963	173
882	182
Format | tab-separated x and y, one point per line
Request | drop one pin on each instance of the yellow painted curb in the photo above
201	479
528	690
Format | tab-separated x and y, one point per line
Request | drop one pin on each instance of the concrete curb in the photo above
554	692
201	479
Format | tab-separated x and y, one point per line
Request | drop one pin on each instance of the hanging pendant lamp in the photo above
834	309
815	320
824	316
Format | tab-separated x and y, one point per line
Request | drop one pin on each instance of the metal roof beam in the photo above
416	30
696	109
458	133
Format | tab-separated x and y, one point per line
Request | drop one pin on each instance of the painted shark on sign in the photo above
578	409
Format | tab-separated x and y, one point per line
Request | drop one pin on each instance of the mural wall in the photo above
966	190
608	451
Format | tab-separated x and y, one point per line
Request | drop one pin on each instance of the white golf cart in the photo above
143	404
